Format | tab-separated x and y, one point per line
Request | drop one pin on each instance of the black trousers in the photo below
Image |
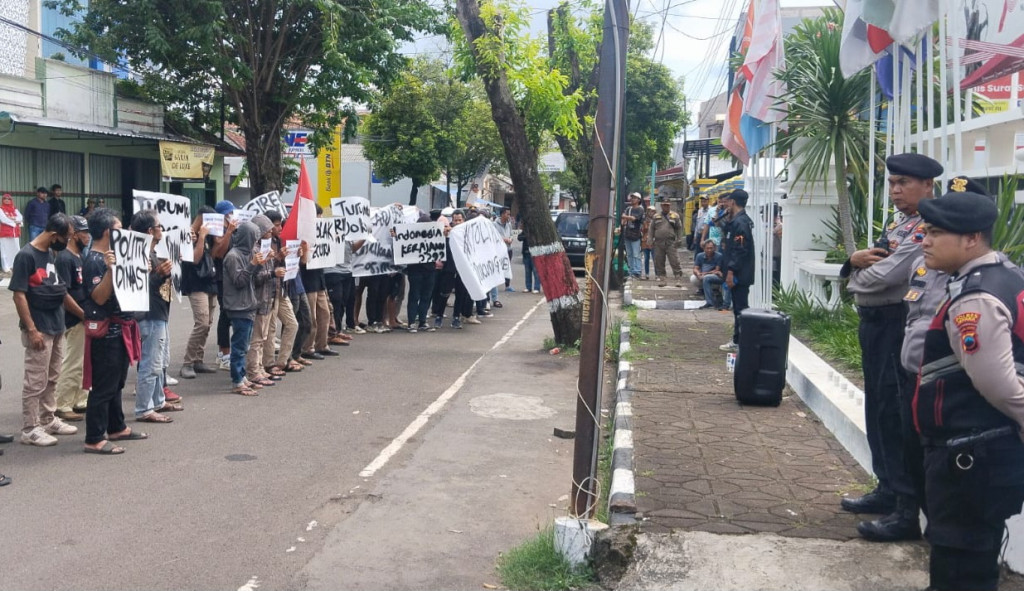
913	452
103	412
740	302
223	326
304	317
377	291
881	336
463	301
443	287
341	291
421	290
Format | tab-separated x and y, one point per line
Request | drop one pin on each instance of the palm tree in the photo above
826	112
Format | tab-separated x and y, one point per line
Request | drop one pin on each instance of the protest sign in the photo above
215	222
327	250
418	243
291	260
243	215
376	257
131	269
265	247
264	203
174	214
355	212
480	255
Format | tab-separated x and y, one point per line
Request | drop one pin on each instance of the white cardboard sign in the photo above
131	269
174	214
419	243
480	255
376	257
355	213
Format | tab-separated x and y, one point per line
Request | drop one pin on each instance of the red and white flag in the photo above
301	222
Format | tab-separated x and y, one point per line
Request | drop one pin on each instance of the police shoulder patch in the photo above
918	236
967	324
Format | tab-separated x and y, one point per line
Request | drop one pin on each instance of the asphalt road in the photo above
266	492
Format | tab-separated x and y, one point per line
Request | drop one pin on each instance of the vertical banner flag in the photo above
480	256
131	269
355	213
301	223
174	214
419	243
376	257
328	167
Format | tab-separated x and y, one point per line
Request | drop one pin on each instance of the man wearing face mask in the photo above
71	397
39	296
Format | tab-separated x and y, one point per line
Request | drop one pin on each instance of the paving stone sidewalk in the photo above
703	462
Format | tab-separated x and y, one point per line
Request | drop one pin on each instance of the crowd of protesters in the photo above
266	326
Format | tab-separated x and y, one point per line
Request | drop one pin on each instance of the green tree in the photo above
826	122
270	61
527	99
401	137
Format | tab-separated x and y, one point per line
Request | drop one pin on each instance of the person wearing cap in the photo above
71	397
666	233
969	403
220	249
36	213
700	221
878	280
646	245
737	259
632	224
10	232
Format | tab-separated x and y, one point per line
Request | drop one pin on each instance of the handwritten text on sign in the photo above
418	243
376	257
328	249
355	212
480	256
173	213
131	270
291	260
265	203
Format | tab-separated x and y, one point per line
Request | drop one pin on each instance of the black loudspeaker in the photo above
760	372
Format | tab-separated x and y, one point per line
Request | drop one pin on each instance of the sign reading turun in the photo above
185	161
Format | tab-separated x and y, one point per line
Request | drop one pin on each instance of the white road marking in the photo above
251	585
396	445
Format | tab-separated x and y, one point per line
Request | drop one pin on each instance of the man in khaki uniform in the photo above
666	233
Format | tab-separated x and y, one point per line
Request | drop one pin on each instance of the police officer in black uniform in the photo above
878	280
969	403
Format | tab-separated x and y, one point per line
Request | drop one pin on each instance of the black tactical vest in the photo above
946	403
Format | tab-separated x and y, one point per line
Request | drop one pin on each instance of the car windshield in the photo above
572	224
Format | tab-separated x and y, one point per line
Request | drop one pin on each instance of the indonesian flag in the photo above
301	222
871	26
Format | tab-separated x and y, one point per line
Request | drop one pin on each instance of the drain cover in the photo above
240	458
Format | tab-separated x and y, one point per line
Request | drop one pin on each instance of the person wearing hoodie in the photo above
243	264
264	283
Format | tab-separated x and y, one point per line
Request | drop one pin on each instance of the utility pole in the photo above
611	92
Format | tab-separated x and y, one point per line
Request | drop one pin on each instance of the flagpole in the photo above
944	99
872	121
906	91
919	77
957	106
931	94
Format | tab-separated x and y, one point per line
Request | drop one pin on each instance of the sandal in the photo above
337	341
131	436
253	385
263	382
244	391
294	367
274	370
154	417
108	449
304	361
170	407
4	480
499	305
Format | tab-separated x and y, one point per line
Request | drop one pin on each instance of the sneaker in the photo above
224	362
457	323
187	371
413	330
59	427
473	320
510	289
202	368
171	381
729	347
424	327
38	437
378	328
536	291
438	321
69	415
358	330
487	314
171	396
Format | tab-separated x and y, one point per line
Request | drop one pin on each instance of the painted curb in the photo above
622	496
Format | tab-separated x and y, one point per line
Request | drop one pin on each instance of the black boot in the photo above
901	524
881	501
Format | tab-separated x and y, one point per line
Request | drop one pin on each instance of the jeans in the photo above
149	391
726	296
241	332
633	254
104	413
648	253
421	288
532	279
709	283
34	231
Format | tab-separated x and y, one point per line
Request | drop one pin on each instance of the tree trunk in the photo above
560	287
415	191
845	215
263	158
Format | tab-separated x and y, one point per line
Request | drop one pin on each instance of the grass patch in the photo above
535	565
830	333
604	470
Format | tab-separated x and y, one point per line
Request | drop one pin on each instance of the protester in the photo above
10	232
39	297
315	345
71	396
37	212
421	287
199	285
632	223
341	291
506	227
150	400
110	352
264	283
300	305
220	249
282	311
241	264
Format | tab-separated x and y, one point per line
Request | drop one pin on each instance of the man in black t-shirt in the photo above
632	233
39	296
71	397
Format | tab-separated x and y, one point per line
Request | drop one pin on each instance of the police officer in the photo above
969	404
666	233
878	282
738	259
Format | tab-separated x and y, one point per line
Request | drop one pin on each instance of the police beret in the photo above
915	165
960	184
960	213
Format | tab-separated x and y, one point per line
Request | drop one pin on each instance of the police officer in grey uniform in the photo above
969	402
878	282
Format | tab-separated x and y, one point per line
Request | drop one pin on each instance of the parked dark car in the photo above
572	228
